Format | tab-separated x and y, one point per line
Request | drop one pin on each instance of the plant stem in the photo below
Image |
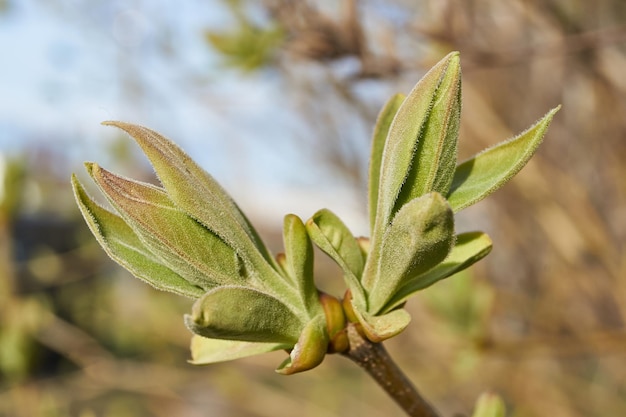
373	357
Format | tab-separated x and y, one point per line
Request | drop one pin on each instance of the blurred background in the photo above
277	99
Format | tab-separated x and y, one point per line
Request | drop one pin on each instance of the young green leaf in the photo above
435	155
381	131
483	174
194	191
420	236
333	237
244	314
299	261
205	351
469	248
407	129
123	246
182	243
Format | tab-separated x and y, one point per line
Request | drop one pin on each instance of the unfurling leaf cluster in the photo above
415	187
189	237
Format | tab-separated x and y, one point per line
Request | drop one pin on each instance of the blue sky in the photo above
70	64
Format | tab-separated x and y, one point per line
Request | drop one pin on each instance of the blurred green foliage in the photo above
247	45
463	304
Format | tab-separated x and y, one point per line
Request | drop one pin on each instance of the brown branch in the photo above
373	357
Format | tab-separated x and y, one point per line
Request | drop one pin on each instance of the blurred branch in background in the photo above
541	321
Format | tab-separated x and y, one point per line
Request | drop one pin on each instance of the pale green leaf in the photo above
469	248
489	405
122	244
420	236
247	46
408	126
182	243
483	174
436	153
299	261
194	191
244	314
333	237
205	351
381	131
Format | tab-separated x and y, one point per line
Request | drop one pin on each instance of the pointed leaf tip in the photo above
197	193
436	150
420	151
180	242
490	169
121	243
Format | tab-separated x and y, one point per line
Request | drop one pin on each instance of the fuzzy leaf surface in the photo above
333	237
244	314
490	169
469	248
123	246
420	236
195	192
434	160
381	132
399	159
299	261
182	243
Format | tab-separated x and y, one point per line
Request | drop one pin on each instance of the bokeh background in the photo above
277	100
